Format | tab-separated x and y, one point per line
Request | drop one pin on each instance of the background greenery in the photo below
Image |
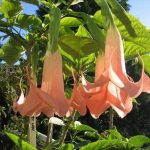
78	54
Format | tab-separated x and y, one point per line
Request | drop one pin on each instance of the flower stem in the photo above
49	133
32	131
65	129
111	118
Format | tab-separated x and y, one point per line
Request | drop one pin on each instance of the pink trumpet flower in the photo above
50	98
115	87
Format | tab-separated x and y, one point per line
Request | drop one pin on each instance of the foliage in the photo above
81	38
19	142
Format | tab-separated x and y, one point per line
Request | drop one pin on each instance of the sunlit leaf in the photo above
134	45
76	2
82	32
11	51
146	60
114	134
83	127
107	145
10	8
121	14
70	21
67	147
78	46
23	145
28	21
139	140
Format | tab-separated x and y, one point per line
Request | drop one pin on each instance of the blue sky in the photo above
141	9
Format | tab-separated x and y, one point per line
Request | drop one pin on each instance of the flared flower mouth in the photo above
50	98
115	87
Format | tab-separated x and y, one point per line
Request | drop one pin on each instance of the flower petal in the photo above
97	103
52	82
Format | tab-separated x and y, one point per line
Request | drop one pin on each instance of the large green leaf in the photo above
76	2
108	145
121	14
11	8
11	51
28	21
23	145
88	62
139	140
134	45
146	60
83	127
78	46
96	33
106	12
114	134
67	147
70	21
82	32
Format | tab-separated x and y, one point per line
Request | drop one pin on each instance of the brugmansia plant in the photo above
76	41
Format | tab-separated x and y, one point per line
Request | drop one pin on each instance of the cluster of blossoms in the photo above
112	86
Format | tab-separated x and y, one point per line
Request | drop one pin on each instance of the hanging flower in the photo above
116	89
50	98
77	100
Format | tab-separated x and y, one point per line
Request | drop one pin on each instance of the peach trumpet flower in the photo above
115	87
50	98
77	100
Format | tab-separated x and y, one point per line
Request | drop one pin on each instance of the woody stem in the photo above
111	118
49	133
65	129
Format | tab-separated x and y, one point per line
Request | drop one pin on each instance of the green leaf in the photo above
106	12
108	145
28	21
139	140
23	145
70	21
114	134
67	147
99	19
134	45
11	8
11	51
88	62
78	46
76	2
68	63
83	127
34	2
64	30
121	14
146	60
82	32
95	32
